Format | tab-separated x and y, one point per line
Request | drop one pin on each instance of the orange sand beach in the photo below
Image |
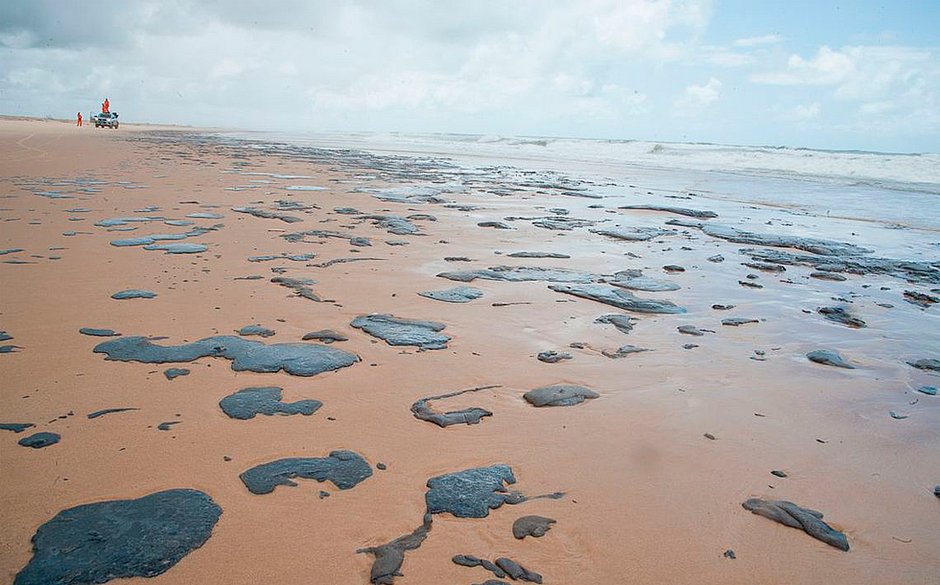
654	470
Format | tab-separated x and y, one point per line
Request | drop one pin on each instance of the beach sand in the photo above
649	499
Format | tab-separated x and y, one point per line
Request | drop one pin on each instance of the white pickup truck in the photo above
106	120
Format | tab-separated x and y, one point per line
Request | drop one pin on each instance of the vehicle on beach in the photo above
106	120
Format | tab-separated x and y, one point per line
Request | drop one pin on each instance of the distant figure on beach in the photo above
105	106
79	121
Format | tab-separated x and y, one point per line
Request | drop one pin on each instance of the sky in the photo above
854	75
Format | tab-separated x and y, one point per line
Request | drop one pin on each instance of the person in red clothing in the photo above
105	106
79	118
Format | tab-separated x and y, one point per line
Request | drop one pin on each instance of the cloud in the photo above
878	108
611	103
722	57
803	112
321	61
874	91
90	23
698	96
828	67
643	26
226	68
857	71
882	71
897	88
35	78
758	41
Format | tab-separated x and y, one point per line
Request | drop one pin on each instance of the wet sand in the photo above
648	499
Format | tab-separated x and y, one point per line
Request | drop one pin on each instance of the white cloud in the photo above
728	58
563	59
634	101
881	71
612	102
828	67
36	79
573	84
328	60
226	68
699	96
878	108
633	26
758	41
897	88
720	55
858	72
804	112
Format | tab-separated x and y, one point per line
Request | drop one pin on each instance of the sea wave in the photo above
910	172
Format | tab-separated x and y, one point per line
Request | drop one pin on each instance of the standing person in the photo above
105	106
79	122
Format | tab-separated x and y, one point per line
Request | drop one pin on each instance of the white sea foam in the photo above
905	172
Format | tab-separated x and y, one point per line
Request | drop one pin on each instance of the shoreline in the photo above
649	162
649	499
132	126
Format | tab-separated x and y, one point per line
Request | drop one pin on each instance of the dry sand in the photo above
649	499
